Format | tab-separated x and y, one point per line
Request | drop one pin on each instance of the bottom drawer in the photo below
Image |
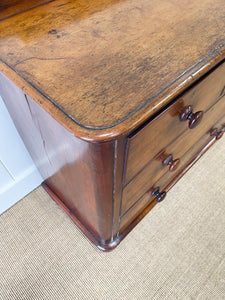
147	201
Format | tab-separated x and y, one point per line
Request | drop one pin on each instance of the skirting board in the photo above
18	189
18	174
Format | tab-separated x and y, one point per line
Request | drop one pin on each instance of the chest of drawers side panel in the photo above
79	173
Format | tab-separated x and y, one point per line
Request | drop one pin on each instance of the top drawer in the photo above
151	139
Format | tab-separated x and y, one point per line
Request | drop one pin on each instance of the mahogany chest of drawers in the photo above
115	100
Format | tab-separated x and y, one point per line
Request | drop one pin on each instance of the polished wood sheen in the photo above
154	170
172	163
167	125
160	196
108	64
217	133
193	118
79	173
114	99
10	8
148	201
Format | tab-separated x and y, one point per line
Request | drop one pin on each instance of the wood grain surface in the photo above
154	170
167	126
141	207
10	8
108	65
79	173
80	78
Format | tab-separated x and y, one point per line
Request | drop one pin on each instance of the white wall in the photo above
18	174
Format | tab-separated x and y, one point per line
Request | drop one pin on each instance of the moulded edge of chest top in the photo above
126	126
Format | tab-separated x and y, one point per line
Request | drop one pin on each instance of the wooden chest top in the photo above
102	67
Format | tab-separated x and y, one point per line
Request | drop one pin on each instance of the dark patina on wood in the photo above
115	100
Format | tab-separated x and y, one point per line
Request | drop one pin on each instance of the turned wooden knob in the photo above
158	195
217	133
169	161
194	118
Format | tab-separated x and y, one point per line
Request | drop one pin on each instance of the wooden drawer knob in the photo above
169	161
217	133
194	118
158	195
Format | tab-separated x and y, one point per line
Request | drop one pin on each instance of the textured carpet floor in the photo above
176	252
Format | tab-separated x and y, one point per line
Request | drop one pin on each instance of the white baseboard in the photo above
18	174
19	188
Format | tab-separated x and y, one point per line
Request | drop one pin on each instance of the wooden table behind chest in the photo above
114	100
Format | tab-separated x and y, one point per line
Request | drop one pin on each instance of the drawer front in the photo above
150	140
155	169
147	202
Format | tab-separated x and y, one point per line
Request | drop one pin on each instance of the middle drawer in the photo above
155	169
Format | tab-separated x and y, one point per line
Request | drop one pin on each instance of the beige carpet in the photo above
176	252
